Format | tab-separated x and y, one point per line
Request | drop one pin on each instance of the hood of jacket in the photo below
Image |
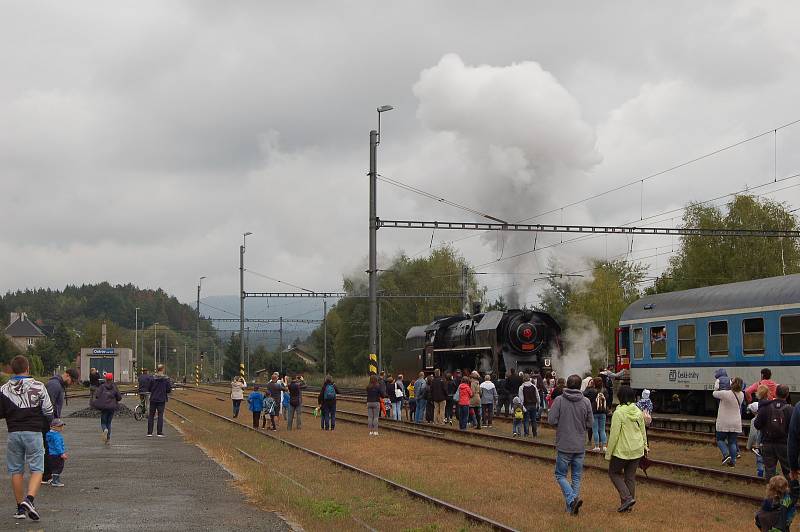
720	373
20	387
572	395
629	411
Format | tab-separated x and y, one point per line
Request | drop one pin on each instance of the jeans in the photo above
156	407
475	416
565	461
236	404
448	409
599	429
726	441
463	416
105	421
420	414
517	426
373	409
438	416
772	454
397	410
530	419
488	410
256	419
328	417
292	412
25	447
623	476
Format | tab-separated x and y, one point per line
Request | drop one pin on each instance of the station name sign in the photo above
103	351
683	376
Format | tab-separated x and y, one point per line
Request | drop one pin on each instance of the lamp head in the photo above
384	108
248	233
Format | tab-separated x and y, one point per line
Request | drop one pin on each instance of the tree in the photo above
7	349
703	261
230	366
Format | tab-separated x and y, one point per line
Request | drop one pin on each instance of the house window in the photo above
718	338
638	344
658	342
686	340
790	334
753	336
30	341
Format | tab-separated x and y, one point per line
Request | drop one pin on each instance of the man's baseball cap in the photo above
57	423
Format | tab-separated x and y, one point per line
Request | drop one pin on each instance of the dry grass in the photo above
519	492
319	496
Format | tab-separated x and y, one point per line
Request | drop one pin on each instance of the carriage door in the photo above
621	343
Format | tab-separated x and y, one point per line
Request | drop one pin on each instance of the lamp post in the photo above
374	140
135	339
199	284
155	347
241	302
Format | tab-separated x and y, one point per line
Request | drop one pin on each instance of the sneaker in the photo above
738	455
726	460
47	481
29	509
756	451
149	435
20	513
161	436
626	506
596	450
57	484
605	448
575	507
104	435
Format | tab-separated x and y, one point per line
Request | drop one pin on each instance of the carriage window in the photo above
718	338
753	336
658	342
686	340
790	334
638	344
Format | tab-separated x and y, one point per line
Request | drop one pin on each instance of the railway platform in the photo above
137	483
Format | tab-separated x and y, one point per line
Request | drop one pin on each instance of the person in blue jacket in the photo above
255	402
159	387
56	452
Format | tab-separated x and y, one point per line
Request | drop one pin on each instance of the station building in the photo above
116	360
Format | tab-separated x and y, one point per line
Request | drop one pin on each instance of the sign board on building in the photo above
103	351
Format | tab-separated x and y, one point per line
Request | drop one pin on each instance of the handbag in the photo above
457	395
398	392
644	463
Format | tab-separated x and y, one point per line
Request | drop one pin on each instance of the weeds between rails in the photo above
472	516
443	434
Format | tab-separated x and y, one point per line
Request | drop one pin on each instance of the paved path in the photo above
138	483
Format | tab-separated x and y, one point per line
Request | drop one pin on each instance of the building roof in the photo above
743	296
23	328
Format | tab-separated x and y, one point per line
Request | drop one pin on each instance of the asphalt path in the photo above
136	483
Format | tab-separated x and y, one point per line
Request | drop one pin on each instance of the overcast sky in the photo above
139	140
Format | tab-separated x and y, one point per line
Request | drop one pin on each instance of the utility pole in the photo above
141	364
199	284
380	350
464	294
248	352
325	337
241	302
155	346
185	369
136	338
280	343
373	229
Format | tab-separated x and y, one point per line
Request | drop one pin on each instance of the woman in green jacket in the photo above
627	443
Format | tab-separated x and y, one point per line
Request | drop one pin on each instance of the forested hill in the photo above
76	305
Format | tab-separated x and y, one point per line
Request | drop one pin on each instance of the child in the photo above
518	415
269	410
723	382
56	452
778	509
285	403
412	402
645	403
255	402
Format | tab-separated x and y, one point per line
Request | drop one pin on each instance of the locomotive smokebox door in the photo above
547	362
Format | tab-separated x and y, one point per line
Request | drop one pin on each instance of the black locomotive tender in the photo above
490	342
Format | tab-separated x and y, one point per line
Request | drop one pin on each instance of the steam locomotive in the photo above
491	342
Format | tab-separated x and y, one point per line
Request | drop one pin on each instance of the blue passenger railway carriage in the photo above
674	342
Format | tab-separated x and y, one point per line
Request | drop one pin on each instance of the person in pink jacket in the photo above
766	380
465	393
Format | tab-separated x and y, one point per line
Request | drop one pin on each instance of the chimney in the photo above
103	336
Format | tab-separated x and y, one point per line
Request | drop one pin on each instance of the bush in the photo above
3	378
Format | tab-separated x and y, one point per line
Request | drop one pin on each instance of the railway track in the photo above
449	435
472	516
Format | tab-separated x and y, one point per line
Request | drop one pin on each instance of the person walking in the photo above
296	402
25	405
729	420
57	391
94	382
571	415
159	388
106	400
374	396
419	391
438	396
488	399
529	396
772	420
475	400
464	396
238	384
597	398
626	446
327	403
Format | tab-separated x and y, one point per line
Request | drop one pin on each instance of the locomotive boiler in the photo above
491	342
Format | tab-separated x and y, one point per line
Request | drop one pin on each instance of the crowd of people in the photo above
283	398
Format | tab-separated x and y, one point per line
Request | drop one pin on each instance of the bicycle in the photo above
140	412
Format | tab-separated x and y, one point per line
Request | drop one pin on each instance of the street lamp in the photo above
374	140
135	340
241	301
155	346
199	284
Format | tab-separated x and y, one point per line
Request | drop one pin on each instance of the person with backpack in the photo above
517	415
327	403
106	400
529	396
599	413
729	420
772	420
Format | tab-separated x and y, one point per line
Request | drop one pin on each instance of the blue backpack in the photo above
330	393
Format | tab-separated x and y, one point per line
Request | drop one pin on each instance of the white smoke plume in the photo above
582	344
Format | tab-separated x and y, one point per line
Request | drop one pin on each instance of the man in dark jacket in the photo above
513	382
571	415
56	390
438	396
773	420
159	387
503	399
25	405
